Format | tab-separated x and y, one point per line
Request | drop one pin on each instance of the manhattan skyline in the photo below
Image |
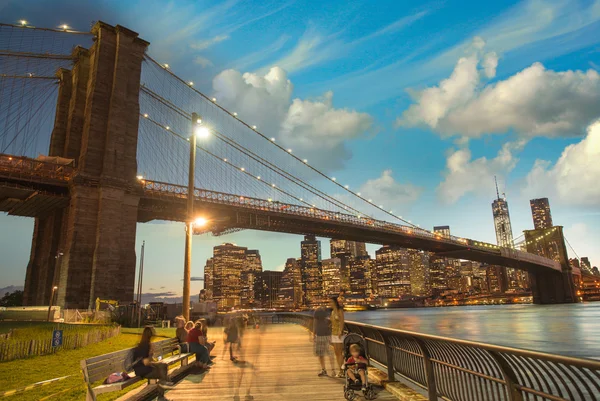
434	169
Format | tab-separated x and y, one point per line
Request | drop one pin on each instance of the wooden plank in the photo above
276	363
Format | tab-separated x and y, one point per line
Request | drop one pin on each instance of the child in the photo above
357	364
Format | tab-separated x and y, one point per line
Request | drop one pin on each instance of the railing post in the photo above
389	353
429	373
510	379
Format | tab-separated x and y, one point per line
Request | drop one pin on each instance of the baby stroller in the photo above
351	387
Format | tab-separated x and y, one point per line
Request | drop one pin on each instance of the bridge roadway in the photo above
277	363
29	187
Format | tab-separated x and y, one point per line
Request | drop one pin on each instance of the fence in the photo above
10	350
86	316
458	370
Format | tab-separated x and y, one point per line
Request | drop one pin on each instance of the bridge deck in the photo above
278	364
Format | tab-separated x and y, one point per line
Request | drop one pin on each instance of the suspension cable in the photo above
275	144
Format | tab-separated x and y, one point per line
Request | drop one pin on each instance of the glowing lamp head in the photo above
23	22
140	177
200	222
191	83
202	132
55	288
64	26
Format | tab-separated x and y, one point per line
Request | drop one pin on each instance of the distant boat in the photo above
355	308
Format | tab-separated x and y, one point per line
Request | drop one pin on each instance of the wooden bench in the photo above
100	367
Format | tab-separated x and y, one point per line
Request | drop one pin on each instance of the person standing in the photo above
337	333
321	336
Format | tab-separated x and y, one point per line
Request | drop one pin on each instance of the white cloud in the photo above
202	61
205	44
574	178
464	175
388	192
533	102
313	128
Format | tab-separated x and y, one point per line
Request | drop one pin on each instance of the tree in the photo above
12	299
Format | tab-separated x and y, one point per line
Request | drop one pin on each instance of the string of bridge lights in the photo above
25	24
312	207
254	128
535	240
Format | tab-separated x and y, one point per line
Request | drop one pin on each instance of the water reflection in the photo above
570	329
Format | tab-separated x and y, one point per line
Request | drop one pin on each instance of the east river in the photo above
568	329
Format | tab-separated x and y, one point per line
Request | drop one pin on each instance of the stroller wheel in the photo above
370	394
349	395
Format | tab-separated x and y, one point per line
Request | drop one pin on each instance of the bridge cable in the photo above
277	145
260	160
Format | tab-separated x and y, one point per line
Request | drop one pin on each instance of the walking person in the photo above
232	336
337	333
321	336
145	367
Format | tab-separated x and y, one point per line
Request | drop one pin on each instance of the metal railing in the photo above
26	168
459	370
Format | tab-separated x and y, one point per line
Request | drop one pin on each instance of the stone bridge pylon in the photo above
87	249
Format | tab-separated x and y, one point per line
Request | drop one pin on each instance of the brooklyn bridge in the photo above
115	128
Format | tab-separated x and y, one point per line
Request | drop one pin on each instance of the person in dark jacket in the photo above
144	365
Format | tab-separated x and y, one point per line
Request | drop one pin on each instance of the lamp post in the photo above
198	130
51	300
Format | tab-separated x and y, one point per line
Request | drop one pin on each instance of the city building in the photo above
540	211
332	278
266	287
310	267
393	276
340	246
444	231
504	237
420	284
208	278
437	274
496	279
252	266
228	263
360	272
290	288
586	265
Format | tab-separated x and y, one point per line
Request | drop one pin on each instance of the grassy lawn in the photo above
20	373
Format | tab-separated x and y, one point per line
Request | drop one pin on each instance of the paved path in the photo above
277	363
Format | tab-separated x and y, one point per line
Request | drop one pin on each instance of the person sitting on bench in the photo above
144	366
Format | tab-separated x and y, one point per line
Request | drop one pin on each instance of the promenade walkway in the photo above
276	363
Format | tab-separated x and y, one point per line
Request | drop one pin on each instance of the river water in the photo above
569	329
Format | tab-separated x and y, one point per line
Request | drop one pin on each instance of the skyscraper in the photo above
266	287
504	236
331	269
340	246
359	275
420	284
540	211
393	276
290	288
229	261
208	278
252	266
310	266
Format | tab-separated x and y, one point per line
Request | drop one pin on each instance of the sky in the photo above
419	104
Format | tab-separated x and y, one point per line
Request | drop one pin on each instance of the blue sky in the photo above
437	98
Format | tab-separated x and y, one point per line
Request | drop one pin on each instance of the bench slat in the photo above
107	388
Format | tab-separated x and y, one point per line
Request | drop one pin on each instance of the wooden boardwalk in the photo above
276	363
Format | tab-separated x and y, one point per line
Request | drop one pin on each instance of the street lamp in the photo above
198	131
51	300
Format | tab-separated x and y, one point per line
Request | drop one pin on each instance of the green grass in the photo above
20	373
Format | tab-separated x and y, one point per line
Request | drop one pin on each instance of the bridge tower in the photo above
88	248
550	286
